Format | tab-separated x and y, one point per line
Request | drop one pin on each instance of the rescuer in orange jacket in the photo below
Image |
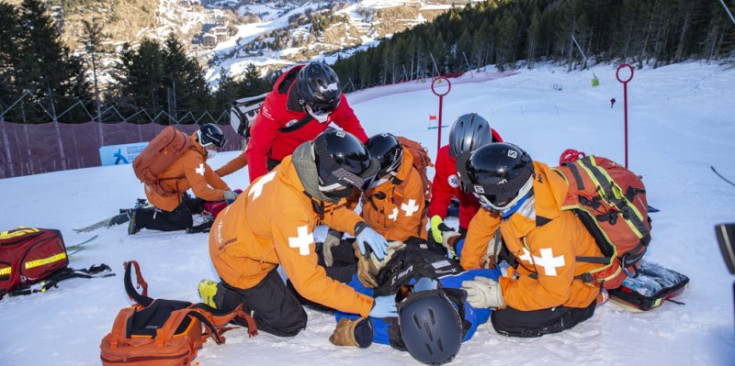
272	223
522	199
173	212
395	203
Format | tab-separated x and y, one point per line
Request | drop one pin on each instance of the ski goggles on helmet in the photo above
394	166
208	141
501	202
343	179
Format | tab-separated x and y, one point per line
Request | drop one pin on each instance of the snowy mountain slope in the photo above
681	121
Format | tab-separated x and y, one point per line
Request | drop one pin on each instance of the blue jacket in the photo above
473	316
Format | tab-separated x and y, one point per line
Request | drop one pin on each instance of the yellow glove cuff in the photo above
436	220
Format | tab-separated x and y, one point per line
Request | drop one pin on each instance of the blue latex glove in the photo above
424	284
384	307
230	196
365	234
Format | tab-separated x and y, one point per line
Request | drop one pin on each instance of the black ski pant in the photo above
178	219
274	308
527	324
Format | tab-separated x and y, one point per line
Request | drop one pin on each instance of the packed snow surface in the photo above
681	122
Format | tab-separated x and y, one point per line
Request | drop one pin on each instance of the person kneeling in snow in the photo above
521	198
272	223
174	211
394	204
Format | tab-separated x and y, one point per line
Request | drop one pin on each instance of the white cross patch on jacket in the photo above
549	262
200	169
394	215
302	240
257	187
410	208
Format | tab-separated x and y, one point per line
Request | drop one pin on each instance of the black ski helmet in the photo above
343	163
468	133
431	326
209	133
496	174
387	150
318	88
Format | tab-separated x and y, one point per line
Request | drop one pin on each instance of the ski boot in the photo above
207	290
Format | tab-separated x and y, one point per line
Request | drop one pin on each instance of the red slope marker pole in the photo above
625	103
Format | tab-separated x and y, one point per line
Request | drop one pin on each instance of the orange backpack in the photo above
421	161
158	156
610	200
163	332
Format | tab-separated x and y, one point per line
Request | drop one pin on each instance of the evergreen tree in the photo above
9	54
45	68
187	92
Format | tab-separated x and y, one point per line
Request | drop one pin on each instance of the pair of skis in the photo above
124	216
73	249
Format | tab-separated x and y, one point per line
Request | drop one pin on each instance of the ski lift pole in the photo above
440	86
625	103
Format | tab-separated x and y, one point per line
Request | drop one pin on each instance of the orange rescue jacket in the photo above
273	223
396	208
233	165
189	171
545	243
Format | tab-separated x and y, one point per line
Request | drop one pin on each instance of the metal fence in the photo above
40	148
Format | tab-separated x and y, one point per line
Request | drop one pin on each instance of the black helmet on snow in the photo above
497	174
211	134
468	133
343	163
431	326
318	89
387	150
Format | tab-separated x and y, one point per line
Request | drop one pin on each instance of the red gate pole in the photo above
625	103
438	88
439	125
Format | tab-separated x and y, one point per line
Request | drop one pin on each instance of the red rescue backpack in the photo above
156	332
158	156
28	255
34	260
610	200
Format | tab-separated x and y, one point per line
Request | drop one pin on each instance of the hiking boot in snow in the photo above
207	291
133	227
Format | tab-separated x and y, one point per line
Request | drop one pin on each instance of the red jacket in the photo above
446	185
267	141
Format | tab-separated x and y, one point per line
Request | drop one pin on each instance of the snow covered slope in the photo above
682	120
